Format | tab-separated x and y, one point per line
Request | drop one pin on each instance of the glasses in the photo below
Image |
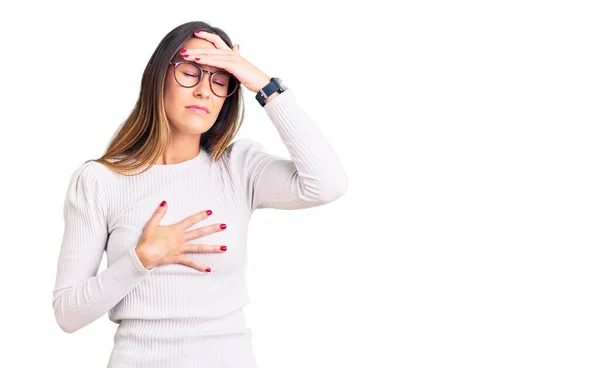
188	74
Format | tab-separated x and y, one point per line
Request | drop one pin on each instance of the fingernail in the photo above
197	59
208	269
209	212
223	226
186	55
163	203
224	247
183	51
197	31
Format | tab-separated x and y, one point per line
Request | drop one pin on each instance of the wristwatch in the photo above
275	85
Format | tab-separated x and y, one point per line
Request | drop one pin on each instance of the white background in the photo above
468	236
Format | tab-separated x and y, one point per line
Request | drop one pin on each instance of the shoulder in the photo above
243	150
243	145
246	157
97	170
86	170
90	174
84	184
85	190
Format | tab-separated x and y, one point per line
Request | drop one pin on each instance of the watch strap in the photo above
268	90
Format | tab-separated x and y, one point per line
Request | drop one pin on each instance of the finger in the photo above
217	62
159	213
203	231
215	39
204	248
220	58
188	262
204	52
191	220
236	48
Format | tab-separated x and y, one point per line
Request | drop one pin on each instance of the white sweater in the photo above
106	211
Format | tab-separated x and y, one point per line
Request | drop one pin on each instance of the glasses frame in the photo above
202	71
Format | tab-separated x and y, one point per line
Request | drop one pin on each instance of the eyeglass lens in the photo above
188	74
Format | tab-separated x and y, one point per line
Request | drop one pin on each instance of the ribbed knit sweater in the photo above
107	211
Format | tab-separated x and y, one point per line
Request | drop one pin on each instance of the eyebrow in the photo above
204	66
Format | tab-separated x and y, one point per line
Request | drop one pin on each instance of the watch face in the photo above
280	82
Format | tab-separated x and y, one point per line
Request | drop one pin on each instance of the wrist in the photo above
143	257
275	94
264	81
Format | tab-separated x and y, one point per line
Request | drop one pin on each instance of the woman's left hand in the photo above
224	57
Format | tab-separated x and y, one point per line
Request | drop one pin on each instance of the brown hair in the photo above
144	135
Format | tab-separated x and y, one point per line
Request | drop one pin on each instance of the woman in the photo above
170	202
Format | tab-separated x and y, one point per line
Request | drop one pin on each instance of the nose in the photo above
202	89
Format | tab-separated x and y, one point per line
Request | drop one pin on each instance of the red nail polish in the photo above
224	247
208	269
209	212
183	51
186	55
223	226
163	203
197	59
197	31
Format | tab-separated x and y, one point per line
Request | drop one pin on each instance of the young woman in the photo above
170	203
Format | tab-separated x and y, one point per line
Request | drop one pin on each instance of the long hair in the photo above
143	137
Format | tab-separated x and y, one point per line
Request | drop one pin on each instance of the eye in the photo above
190	75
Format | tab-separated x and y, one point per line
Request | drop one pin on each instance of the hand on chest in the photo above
128	228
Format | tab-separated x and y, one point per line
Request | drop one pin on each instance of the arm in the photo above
312	177
81	295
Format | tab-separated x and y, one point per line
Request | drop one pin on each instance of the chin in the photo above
193	127
196	129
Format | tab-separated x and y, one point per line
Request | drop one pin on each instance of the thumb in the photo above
236	48
158	214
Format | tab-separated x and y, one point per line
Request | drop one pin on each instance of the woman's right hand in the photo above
161	245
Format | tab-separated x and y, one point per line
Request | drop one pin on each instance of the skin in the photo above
169	244
186	125
212	54
161	245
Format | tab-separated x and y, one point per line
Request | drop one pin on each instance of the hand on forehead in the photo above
198	43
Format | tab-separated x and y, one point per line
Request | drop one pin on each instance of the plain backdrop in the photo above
469	233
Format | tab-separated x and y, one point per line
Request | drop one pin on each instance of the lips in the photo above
198	108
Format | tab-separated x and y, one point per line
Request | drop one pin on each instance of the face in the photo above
184	120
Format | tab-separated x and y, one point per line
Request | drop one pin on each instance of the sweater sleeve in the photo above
81	294
313	176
